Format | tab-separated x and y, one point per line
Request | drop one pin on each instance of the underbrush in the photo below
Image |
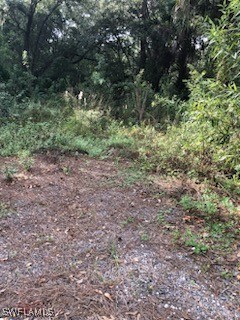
211	224
181	149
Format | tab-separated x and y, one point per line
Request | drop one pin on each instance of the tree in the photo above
42	33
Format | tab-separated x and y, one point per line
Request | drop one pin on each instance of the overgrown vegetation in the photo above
218	223
124	87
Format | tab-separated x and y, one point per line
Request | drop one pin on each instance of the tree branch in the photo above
59	2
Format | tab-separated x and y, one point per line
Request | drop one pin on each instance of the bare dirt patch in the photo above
85	241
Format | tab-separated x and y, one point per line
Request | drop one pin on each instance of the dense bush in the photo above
214	108
6	102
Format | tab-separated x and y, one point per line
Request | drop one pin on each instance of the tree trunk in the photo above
143	45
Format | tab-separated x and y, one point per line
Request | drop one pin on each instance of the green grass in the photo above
161	217
9	172
210	204
113	252
207	204
128	221
144	237
219	229
194	241
131	176
4	210
26	160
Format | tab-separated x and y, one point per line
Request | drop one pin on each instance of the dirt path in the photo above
84	241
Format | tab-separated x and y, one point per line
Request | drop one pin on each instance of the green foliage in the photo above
128	221
161	217
113	251
66	170
215	110
217	233
14	138
144	237
3	210
9	172
141	96
6	102
206	204
216	236
182	148
87	123
218	229
132	176
21	83
165	110
187	202
192	240
214	105
209	204
224	37
26	160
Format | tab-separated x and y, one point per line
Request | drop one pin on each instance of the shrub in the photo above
26	160
6	102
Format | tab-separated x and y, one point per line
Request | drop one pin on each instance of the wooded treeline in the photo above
52	45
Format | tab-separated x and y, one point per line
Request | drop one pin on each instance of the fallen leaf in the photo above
42	280
98	291
107	295
66	231
80	281
231	258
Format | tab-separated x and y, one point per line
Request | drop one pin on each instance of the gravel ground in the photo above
87	245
